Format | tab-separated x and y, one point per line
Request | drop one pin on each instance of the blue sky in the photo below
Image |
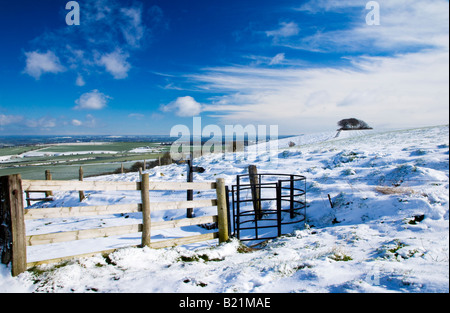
141	67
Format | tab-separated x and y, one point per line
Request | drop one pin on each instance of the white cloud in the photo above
183	106
75	122
93	100
406	87
315	6
123	25
280	58
80	81
137	116
277	59
116	64
403	25
9	119
90	122
40	63
43	122
286	30
92	47
403	90
133	31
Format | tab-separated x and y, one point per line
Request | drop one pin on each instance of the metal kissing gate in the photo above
266	206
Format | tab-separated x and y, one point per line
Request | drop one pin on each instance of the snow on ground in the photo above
388	229
39	153
145	150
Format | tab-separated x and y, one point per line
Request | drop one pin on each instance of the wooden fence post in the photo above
80	177
12	224
254	185
222	210
146	219
48	176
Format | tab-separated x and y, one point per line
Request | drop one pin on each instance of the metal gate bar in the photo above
246	219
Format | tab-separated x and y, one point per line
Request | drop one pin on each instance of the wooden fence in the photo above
13	215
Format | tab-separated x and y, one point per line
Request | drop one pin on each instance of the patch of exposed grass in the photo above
386	190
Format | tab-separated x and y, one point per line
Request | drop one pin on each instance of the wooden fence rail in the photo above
13	215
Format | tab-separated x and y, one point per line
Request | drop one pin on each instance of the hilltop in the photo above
387	230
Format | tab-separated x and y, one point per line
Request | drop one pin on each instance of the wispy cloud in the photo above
133	29
80	81
319	6
104	42
10	119
405	26
398	90
137	116
90	122
38	123
286	30
43	122
108	24
279	58
406	86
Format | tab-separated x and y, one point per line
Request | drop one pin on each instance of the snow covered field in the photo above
388	229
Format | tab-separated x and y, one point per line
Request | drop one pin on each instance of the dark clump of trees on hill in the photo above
352	124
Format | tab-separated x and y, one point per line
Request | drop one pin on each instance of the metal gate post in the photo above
291	196
233	211
278	186
238	206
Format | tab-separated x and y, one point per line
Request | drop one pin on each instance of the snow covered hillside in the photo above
386	231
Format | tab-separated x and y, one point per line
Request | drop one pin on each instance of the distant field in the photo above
62	172
66	166
16	150
108	146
